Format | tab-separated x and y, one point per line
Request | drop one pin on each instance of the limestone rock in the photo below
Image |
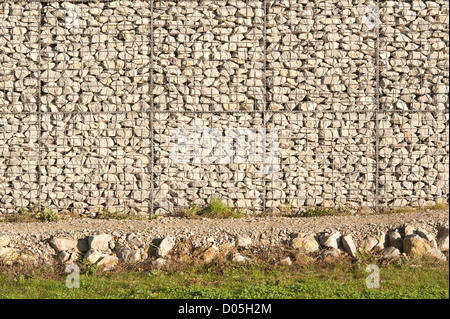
63	244
209	254
4	240
9	256
331	253
286	261
368	243
159	263
240	258
390	252
395	239
166	246
100	242
443	241
330	240
108	262
415	246
92	256
244	241
306	243
349	245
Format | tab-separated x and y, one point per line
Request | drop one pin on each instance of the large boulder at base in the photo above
390	252
63	244
305	243
368	243
100	242
165	246
330	240
442	241
349	245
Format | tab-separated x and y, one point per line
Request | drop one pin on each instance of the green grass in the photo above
121	215
47	214
263	280
35	214
217	208
325	211
407	209
286	208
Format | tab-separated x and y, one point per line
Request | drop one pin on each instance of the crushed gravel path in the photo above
222	230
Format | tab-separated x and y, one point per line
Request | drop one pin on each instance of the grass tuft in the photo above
326	211
217	208
409	209
37	213
286	208
47	215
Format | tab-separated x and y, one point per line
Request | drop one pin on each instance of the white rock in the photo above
286	261
63	244
92	256
305	242
330	253
108	262
240	258
395	239
349	245
368	243
330	240
166	246
4	240
244	241
100	242
159	263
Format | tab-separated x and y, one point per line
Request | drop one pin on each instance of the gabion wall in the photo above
92	94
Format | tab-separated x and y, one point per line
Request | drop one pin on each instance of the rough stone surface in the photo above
166	246
349	245
244	241
239	258
317	58
383	241
62	244
9	255
415	246
4	240
108	262
368	243
330	240
100	242
92	256
203	239
395	239
159	263
286	261
390	252
330	253
438	254
305	243
443	238
209	254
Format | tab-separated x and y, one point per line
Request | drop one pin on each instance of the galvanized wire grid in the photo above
92	91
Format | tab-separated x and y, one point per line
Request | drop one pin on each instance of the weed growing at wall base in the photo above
217	208
37	213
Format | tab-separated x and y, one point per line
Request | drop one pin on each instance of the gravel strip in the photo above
225	229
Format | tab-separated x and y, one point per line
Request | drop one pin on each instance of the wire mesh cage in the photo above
157	105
